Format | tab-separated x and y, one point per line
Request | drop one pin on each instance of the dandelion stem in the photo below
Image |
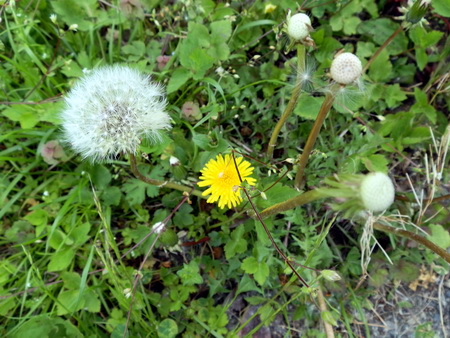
382	47
419	239
292	102
291	203
323	309
326	106
165	184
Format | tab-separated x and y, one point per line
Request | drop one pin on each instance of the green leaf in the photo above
381	68
76	12
45	326
178	79
80	233
100	176
183	216
376	163
308	106
23	114
134	191
380	30
91	301
135	48
236	244
68	302
260	270
71	280
38	217
442	7
190	274
111	196
168	328
394	95
440	236
422	107
61	260
247	284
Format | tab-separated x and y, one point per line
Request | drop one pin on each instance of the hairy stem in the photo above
383	46
161	184
417	238
326	106
292	102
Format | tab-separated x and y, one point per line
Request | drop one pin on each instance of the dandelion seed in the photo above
223	180
99	126
346	68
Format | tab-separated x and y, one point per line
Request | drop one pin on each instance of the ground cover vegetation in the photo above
209	168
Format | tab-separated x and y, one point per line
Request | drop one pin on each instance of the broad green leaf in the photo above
308	106
376	163
442	7
38	217
68	302
80	12
380	30
61	260
179	77
24	114
440	236
111	196
100	176
45	326
168	328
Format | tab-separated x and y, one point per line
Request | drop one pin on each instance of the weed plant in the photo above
287	174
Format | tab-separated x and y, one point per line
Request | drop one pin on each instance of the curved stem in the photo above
419	239
380	49
166	184
326	106
292	102
291	203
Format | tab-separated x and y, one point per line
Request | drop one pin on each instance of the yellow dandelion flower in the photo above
221	175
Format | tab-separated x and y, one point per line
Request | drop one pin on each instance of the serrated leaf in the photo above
190	274
260	270
134	191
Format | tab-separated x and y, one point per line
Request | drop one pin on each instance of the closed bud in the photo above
330	275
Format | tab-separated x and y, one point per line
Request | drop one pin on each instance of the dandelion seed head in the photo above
377	192
299	26
346	68
110	110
